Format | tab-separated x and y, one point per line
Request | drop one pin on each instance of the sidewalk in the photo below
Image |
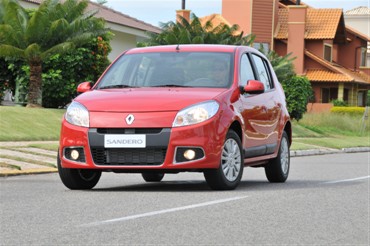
17	158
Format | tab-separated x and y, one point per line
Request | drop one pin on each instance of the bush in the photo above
298	92
348	110
339	103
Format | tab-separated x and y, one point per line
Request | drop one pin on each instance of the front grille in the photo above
128	157
129	130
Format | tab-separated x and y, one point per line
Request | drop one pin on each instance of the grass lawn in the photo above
29	124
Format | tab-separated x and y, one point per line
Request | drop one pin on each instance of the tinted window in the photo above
263	72
193	69
246	71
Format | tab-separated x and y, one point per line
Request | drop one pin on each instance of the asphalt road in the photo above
326	201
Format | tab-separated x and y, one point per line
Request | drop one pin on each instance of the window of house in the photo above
363	57
328	94
246	70
263	71
328	52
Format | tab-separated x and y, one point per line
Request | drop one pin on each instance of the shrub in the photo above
339	103
298	92
348	110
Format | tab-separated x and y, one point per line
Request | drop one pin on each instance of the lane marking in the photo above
347	180
138	216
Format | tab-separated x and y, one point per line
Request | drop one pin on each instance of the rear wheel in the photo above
230	171
78	179
152	177
277	170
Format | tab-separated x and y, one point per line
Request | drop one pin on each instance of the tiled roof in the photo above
335	72
116	17
216	20
362	10
320	23
320	75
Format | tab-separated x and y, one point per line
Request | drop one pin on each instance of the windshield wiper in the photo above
116	86
171	85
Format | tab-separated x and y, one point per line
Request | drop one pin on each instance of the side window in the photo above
262	71
246	71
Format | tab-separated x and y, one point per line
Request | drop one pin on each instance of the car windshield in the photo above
170	69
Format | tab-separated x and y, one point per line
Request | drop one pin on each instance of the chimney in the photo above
183	13
296	33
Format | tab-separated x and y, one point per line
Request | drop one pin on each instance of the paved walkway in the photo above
17	158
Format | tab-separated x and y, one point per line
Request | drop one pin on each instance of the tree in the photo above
193	32
54	28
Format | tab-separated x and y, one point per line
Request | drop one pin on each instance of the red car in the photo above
167	109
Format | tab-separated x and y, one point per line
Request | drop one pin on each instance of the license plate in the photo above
125	141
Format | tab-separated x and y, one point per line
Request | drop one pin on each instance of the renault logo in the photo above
129	119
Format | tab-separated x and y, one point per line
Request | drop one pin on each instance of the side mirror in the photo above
254	87
83	87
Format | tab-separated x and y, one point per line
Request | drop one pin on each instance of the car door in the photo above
259	110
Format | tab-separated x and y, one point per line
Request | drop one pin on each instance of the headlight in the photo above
196	113
77	115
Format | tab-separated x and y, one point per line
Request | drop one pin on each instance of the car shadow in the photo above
201	186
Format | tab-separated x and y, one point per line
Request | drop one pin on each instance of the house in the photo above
359	19
127	30
331	54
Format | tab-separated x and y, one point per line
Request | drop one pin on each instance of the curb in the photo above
293	153
28	171
311	152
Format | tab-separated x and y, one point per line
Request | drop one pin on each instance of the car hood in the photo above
145	99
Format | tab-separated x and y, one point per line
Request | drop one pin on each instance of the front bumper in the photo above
162	144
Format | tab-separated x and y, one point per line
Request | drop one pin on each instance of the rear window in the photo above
182	69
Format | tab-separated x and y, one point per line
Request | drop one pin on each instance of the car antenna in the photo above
178	47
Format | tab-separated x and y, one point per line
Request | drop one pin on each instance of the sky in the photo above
156	11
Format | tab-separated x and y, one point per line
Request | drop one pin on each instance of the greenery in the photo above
22	124
332	124
193	32
298	92
54	28
339	103
348	110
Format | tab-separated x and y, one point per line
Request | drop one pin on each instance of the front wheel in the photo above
78	179
277	170
230	171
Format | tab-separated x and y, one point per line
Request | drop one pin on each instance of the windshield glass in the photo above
170	69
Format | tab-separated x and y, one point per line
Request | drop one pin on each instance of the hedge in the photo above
348	110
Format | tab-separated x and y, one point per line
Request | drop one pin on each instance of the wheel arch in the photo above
237	128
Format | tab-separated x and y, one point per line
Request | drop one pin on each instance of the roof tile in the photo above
362	10
320	23
319	75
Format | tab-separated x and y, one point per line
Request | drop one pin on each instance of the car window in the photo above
246	70
262	71
183	69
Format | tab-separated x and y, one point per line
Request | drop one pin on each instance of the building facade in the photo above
327	51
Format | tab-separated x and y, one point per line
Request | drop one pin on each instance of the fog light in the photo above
189	154
75	154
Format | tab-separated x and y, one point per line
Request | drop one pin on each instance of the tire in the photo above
152	177
78	179
277	170
230	171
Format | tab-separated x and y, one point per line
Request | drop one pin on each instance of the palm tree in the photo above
193	32
53	28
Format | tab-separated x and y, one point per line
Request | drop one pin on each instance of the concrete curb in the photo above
27	172
293	153
310	152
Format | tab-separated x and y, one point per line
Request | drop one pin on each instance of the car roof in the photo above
187	48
